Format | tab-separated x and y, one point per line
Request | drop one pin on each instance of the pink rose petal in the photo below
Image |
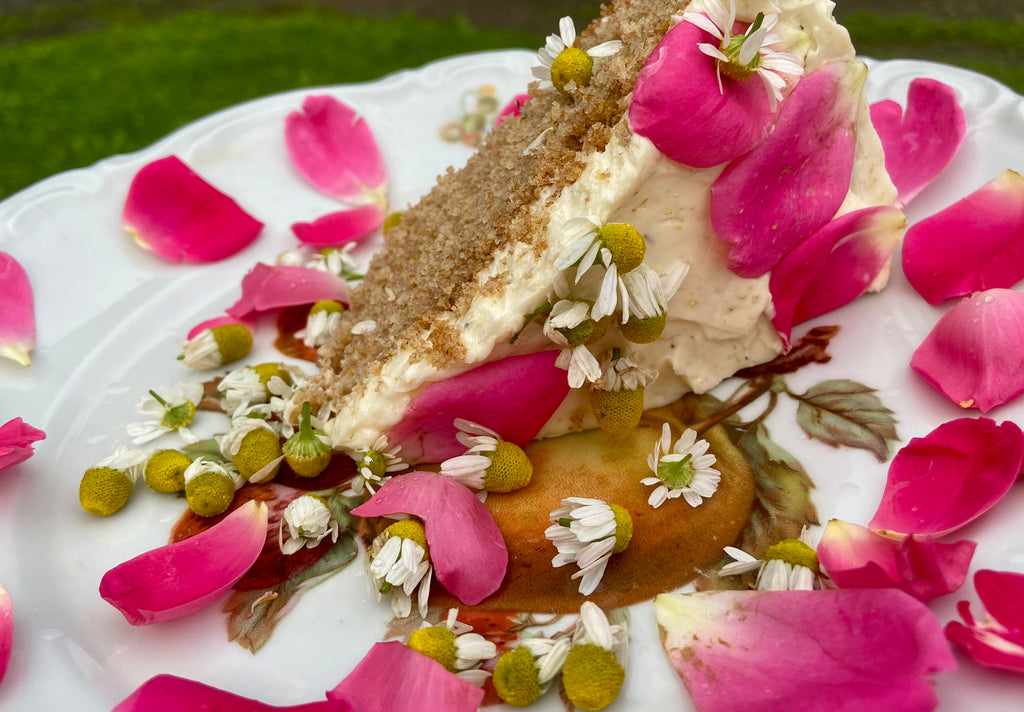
920	142
333	148
17	312
767	201
395	678
172	211
678	105
267	287
813	651
466	548
6	629
512	108
341	227
998	640
178	579
214	322
168	692
16	438
973	355
833	266
973	245
515	397
939	483
856	557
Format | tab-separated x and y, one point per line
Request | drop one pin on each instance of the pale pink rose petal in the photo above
856	557
214	322
920	142
678	105
17	312
172	211
939	483
341	227
163	693
973	245
267	287
815	651
998	640
515	397
393	677
16	438
833	266
181	578
972	355
513	108
767	201
466	548
6	629
333	148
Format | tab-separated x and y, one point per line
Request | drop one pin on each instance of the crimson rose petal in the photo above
16	438
341	227
17	312
939	483
267	287
998	640
169	692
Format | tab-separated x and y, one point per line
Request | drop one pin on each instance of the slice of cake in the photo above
609	220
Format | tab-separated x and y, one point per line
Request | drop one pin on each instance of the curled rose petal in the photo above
769	200
341	227
395	678
920	142
17	312
998	640
835	265
172	211
168	692
512	108
856	557
466	548
333	148
180	578
809	650
677	104
6	629
973	245
214	322
515	397
267	287
16	438
972	355
939	483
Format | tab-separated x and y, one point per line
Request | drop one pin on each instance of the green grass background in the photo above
77	85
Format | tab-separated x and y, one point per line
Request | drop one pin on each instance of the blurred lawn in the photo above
70	100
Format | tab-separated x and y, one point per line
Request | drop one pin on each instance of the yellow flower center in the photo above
234	341
104	490
571	65
210	493
515	678
409	529
644	331
266	371
392	220
626	245
617	412
165	470
256	451
623	528
327	305
510	468
591	677
793	552
437	643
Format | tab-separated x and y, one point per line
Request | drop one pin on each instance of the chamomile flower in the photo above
309	521
489	463
307	452
398	564
254	446
170	412
740	57
587	532
789	565
526	672
321	322
107	485
210	486
241	388
562	64
376	466
617	397
596	663
216	346
455	646
683	470
570	326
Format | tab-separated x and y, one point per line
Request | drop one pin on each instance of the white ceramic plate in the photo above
110	317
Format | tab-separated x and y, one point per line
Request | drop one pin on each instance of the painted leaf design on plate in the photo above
842	412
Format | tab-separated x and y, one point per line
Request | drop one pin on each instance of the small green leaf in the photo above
844	413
